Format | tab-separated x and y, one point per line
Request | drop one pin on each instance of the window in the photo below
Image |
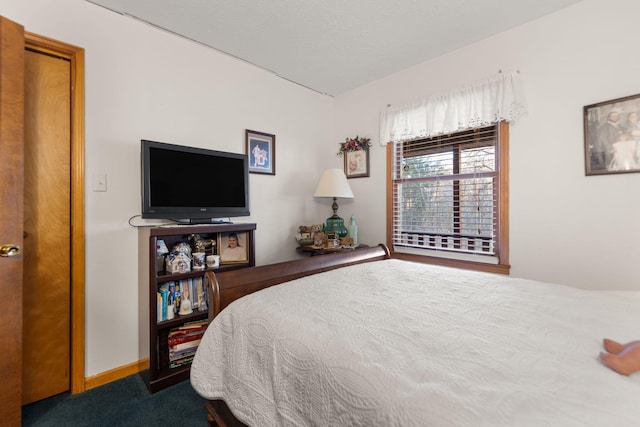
449	198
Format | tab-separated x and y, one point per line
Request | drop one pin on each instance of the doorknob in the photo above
9	250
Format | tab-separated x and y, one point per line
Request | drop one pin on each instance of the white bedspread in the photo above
394	343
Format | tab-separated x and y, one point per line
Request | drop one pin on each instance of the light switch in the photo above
100	182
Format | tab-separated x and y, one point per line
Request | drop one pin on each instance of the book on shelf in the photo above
177	363
184	346
193	324
159	307
182	352
177	296
172	293
178	355
187	330
164	298
183	338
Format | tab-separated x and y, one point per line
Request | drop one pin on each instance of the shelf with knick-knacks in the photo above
172	293
315	240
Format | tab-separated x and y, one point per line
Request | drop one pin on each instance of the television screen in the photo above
189	184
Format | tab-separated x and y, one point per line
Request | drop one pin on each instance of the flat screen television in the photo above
193	185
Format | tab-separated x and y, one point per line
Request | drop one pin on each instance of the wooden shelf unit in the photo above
153	335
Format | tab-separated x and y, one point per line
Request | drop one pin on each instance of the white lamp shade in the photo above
333	183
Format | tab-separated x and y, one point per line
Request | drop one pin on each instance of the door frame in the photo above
75	55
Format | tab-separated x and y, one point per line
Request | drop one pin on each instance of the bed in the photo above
361	339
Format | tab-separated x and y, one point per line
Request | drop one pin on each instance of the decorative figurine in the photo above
179	260
318	235
185	303
304	237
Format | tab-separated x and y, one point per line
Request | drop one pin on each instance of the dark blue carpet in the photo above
125	402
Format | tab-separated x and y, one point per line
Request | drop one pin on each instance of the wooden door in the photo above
11	216
47	235
75	116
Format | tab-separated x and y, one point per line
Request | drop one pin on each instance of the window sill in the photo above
448	262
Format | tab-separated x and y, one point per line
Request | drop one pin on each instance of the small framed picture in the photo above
261	149
356	163
332	239
612	136
233	248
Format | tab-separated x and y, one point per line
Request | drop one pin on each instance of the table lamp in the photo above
333	183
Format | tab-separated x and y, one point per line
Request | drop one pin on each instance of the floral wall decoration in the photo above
354	144
356	156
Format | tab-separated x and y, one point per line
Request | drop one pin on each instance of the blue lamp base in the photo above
336	224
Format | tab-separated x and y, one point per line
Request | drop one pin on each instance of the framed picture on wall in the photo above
233	248
356	163
261	149
612	136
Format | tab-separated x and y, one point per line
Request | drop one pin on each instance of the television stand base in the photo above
220	221
203	221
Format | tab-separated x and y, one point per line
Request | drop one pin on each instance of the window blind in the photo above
445	192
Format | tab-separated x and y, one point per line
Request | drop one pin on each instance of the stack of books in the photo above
183	342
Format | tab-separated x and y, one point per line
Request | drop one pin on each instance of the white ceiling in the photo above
332	46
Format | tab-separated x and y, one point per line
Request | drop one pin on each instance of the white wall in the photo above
565	227
142	82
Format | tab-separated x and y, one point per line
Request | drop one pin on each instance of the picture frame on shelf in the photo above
233	248
612	136
332	239
356	163
261	150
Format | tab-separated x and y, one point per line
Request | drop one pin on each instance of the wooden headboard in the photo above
227	286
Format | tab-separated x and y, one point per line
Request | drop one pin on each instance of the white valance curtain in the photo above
478	104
